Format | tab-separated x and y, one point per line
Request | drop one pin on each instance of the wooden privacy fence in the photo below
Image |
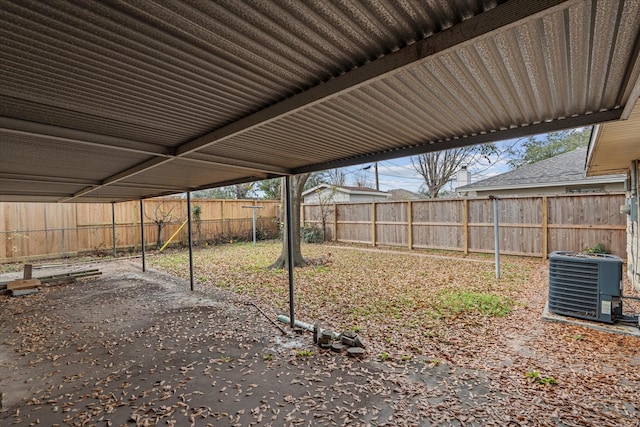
45	230
530	226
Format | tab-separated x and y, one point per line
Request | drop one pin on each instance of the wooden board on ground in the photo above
23	284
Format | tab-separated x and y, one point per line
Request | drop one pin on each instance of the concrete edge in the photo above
617	329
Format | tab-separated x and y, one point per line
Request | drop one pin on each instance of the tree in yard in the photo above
437	168
534	148
326	207
196	213
297	188
162	215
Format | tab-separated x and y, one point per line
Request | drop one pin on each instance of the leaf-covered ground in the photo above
448	345
446	309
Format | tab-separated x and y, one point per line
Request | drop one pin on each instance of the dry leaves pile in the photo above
502	369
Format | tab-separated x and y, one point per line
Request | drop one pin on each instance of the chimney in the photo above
464	177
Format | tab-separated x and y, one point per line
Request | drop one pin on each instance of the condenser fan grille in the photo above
585	286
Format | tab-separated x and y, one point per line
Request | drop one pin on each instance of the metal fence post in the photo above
496	234
63	250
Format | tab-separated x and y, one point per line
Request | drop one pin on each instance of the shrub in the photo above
311	234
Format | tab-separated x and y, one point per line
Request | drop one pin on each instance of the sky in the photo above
399	173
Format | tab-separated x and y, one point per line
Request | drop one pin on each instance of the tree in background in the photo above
361	178
437	168
237	191
270	188
212	193
243	191
336	177
534	148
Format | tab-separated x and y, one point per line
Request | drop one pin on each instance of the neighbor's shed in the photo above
326	193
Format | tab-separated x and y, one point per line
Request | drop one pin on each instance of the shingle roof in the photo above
567	168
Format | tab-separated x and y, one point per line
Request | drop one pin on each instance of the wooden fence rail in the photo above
45	230
530	226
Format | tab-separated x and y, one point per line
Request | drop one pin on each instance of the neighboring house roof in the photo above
401	194
344	189
565	169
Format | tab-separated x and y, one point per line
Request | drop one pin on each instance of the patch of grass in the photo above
384	356
10	268
452	303
304	352
535	376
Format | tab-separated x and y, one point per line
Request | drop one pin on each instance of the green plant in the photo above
532	375
267	357
536	377
304	353
597	249
384	356
406	357
225	359
311	234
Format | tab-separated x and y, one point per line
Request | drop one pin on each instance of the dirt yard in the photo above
447	345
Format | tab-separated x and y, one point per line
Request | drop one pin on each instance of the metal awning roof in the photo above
110	101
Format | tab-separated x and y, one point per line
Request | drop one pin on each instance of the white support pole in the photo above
253	209
496	234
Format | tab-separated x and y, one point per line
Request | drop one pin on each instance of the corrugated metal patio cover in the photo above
110	100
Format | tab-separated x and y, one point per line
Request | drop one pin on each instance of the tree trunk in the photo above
297	187
159	241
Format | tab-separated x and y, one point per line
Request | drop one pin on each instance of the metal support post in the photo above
289	237
144	261
190	239
113	227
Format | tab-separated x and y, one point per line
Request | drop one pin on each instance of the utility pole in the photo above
377	180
